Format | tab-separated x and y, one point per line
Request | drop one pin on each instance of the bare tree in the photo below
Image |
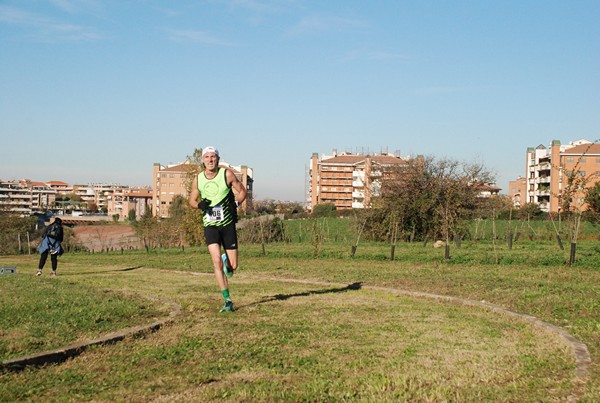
572	198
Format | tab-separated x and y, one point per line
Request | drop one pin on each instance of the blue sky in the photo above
98	91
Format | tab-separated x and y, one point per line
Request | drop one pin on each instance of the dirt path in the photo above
106	237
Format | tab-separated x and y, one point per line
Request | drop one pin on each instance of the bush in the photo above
262	229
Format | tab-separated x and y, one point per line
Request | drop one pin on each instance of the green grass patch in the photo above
307	342
310	341
38	314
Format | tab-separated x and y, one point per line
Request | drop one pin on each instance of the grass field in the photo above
330	328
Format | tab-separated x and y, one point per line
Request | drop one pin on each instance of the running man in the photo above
212	192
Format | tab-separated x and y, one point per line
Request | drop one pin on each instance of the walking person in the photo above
213	193
52	238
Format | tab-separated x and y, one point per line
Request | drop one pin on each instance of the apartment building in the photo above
26	197
122	201
549	170
168	182
174	180
61	187
348	180
517	191
96	194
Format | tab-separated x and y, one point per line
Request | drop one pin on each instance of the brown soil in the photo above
106	237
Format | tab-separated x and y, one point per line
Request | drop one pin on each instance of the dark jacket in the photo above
54	231
52	242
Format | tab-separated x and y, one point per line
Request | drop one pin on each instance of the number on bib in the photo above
215	214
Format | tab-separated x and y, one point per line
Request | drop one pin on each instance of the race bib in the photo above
214	214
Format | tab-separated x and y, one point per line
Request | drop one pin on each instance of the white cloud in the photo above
188	35
317	24
376	55
13	15
43	29
71	6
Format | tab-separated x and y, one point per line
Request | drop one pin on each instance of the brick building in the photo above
171	181
548	170
348	180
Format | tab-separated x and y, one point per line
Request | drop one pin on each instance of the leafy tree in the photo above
12	227
131	215
265	207
324	210
92	207
262	207
425	198
529	211
178	207
191	219
592	198
146	229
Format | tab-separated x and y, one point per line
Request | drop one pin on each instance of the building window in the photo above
570	160
583	160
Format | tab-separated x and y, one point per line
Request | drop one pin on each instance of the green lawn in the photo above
309	329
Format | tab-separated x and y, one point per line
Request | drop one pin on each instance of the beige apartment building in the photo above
348	180
171	181
517	191
549	170
122	201
26	197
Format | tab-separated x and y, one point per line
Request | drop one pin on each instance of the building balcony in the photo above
545	207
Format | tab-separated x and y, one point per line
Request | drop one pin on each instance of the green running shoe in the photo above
228	273
228	306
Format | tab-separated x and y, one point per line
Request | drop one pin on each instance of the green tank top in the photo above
222	209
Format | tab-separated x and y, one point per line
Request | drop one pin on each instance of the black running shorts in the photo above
225	235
